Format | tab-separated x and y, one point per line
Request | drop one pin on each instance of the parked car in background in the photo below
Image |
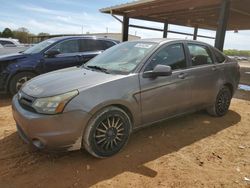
49	55
9	42
129	86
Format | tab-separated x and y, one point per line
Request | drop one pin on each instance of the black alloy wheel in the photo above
107	133
223	100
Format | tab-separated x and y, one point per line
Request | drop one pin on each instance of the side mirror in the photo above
51	53
159	70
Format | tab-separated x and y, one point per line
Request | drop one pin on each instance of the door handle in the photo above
182	75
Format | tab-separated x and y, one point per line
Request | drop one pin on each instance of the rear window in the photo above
220	58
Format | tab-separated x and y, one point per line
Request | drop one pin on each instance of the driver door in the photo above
68	56
165	96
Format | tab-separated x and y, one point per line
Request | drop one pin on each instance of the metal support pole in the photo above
125	28
195	33
165	30
222	27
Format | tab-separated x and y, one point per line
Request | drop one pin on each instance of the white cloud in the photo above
8	24
40	9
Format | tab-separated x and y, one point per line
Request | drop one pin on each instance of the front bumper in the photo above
51	132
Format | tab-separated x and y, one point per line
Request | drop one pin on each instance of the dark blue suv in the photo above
49	55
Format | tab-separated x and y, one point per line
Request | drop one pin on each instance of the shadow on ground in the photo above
21	165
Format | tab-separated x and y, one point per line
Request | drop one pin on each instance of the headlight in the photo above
55	104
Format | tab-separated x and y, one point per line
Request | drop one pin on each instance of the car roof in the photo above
167	40
81	37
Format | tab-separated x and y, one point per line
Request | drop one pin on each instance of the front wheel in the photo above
223	100
107	132
18	80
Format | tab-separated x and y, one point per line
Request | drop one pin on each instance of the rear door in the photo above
165	96
204	75
68	57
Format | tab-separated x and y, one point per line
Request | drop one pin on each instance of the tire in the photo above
107	132
18	80
223	100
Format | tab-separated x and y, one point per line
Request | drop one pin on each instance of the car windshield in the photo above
122	58
39	47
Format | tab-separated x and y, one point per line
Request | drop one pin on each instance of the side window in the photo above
200	55
84	45
87	45
171	55
68	46
220	58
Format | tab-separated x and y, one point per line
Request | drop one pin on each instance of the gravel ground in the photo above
195	150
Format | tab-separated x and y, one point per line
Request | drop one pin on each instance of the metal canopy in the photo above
195	13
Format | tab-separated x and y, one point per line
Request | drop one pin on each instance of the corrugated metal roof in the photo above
201	13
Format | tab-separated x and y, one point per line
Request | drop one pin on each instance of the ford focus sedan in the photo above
131	85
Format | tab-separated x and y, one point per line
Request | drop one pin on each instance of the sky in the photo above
81	16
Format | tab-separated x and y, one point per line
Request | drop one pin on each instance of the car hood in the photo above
12	57
65	80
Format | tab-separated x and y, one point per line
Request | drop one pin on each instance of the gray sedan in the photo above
129	86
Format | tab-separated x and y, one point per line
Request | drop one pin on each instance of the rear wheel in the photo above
18	80
223	100
107	132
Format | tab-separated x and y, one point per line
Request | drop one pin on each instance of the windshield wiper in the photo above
98	68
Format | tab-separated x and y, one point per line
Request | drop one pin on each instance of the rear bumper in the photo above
50	132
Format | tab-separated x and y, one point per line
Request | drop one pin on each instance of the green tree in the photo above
7	33
22	34
43	34
237	52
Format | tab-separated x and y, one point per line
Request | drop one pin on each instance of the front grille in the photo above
26	101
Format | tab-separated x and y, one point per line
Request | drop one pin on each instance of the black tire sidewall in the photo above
89	140
228	92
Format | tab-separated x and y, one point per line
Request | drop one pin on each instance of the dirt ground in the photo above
192	151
